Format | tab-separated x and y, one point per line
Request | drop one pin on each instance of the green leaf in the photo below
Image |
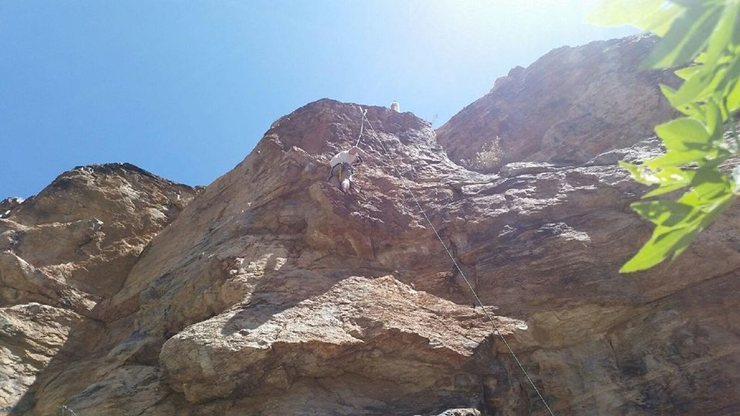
690	109
733	62
664	189
730	85
669	180
616	13
649	15
683	243
639	173
685	39
708	187
688	72
667	240
706	194
677	133
713	118
700	85
665	213
679	158
722	34
733	98
658	248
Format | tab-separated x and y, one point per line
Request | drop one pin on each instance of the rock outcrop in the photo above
7	205
566	108
272	292
63	253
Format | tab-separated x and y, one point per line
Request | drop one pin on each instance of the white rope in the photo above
362	124
457	266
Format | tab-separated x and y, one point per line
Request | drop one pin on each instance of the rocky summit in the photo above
272	292
566	108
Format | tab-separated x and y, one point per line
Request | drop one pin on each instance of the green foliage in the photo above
702	37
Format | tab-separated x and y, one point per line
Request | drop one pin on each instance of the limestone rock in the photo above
566	108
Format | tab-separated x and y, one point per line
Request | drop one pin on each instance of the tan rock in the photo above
63	252
391	334
34	337
566	108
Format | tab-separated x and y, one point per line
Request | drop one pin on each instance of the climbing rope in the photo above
454	261
362	124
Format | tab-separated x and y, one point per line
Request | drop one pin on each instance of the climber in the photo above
343	163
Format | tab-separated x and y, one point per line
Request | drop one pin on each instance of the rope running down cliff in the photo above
362	124
454	261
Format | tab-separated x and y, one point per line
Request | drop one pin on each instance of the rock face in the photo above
359	332
64	252
568	107
7	205
273	292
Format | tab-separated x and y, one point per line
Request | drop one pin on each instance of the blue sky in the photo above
185	89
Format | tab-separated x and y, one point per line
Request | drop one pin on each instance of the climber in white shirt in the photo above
344	162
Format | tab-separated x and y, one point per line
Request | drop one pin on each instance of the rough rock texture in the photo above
567	107
366	328
7	205
273	292
62	253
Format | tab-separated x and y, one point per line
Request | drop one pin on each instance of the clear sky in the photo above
185	89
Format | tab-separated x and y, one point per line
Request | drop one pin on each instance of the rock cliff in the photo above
568	107
272	292
64	253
